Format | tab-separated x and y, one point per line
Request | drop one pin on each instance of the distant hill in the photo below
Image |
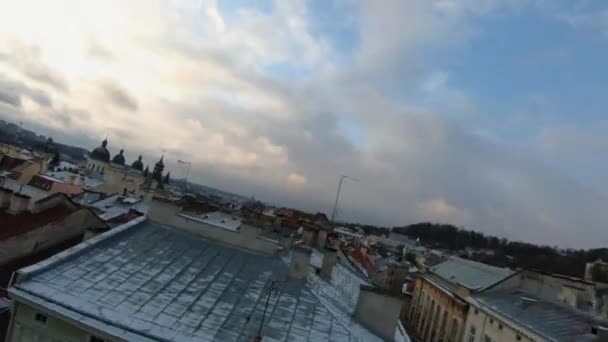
504	253
11	133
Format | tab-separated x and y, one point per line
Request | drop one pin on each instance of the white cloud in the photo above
295	180
205	88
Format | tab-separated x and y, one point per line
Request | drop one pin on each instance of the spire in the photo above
167	178
104	143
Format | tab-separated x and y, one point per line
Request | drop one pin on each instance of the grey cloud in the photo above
10	97
11	92
119	96
45	75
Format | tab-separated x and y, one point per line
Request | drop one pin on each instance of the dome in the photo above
119	158
101	153
138	165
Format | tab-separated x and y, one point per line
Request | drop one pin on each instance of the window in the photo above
40	318
518	337
499	326
487	338
491	321
96	339
472	333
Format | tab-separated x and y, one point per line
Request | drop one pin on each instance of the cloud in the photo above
439	209
11	92
257	100
119	96
295	180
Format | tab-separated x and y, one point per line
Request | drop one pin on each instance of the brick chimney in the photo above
300	261
5	198
330	257
19	203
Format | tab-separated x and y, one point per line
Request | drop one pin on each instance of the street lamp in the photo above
335	211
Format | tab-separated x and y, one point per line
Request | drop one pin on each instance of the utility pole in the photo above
335	211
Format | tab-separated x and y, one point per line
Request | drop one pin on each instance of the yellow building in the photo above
439	305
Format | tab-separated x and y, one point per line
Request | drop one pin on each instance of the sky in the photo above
486	114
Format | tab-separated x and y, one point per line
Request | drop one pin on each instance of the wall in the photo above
26	329
496	329
553	289
46	236
29	171
169	214
66	188
378	312
435	313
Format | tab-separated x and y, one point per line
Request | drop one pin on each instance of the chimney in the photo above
321	238
5	198
330	258
19	203
309	236
72	179
378	311
300	261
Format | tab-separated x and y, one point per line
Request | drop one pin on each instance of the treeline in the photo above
502	252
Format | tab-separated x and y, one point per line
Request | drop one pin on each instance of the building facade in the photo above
439	306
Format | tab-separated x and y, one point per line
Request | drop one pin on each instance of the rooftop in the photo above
12	225
115	205
218	219
471	274
552	321
188	289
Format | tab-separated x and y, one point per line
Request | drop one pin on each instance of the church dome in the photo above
138	164
119	158
101	153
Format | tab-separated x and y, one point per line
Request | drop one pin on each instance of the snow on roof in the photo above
219	219
152	281
116	205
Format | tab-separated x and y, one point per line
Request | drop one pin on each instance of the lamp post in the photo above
335	211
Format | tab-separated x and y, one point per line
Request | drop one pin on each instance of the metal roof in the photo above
553	321
473	275
155	282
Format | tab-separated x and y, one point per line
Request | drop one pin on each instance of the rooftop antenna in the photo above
258	337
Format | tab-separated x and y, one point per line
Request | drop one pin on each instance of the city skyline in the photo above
483	114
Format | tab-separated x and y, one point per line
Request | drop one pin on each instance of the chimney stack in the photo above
309	236
321	238
300	261
5	198
330	258
19	203
378	311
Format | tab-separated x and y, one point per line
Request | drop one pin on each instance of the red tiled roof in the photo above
363	261
12	225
